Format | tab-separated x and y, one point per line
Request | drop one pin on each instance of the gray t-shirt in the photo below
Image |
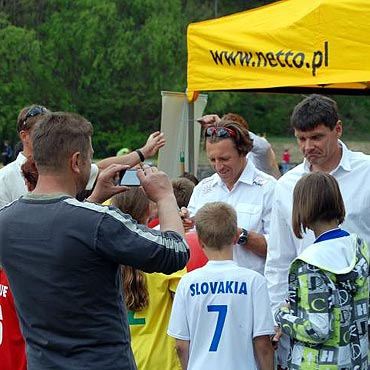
62	258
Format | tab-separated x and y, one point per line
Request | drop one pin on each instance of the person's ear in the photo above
25	136
76	162
201	244
338	128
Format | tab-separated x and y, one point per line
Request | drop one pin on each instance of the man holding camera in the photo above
62	256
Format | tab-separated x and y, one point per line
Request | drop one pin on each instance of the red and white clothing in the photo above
12	347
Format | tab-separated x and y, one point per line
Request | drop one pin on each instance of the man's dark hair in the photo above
313	111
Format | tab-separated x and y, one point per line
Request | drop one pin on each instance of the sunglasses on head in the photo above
34	112
220	132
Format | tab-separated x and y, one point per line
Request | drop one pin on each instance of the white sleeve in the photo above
12	182
93	176
178	325
263	323
193	205
267	207
260	145
3	193
281	251
262	154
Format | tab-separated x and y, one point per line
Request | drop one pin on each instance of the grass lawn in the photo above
280	143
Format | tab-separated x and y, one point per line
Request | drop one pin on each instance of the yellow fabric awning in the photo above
291	44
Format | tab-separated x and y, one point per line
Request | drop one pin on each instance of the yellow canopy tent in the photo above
289	46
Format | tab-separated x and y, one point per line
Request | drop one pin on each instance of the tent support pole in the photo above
190	155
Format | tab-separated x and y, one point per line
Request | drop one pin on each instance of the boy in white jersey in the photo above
221	316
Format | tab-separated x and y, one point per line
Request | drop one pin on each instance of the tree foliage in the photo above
109	61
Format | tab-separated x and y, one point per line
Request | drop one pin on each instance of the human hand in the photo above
209	120
155	183
105	186
153	144
187	221
275	338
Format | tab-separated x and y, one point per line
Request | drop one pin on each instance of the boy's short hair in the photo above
316	198
216	225
183	189
190	177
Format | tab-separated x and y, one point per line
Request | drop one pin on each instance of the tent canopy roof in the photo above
288	46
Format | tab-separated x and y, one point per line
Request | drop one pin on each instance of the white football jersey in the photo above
220	308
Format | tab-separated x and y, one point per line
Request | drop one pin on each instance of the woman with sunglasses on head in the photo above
239	183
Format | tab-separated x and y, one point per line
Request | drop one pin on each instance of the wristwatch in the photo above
243	237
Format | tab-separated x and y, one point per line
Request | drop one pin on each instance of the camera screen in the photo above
129	178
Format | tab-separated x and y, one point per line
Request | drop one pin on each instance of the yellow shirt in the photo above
153	348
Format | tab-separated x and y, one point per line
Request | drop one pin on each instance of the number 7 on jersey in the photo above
222	310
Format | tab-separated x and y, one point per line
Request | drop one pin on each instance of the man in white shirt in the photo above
262	154
239	183
12	184
317	129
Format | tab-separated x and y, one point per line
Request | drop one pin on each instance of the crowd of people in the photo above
245	269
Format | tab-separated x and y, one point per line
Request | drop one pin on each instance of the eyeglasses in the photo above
220	132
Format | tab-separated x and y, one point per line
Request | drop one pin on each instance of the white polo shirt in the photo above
220	308
13	186
251	197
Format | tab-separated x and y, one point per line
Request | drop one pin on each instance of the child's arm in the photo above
308	325
182	348
264	352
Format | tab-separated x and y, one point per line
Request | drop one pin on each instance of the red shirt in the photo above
12	347
153	223
286	157
197	257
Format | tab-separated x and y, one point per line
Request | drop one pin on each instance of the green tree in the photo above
20	54
109	61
